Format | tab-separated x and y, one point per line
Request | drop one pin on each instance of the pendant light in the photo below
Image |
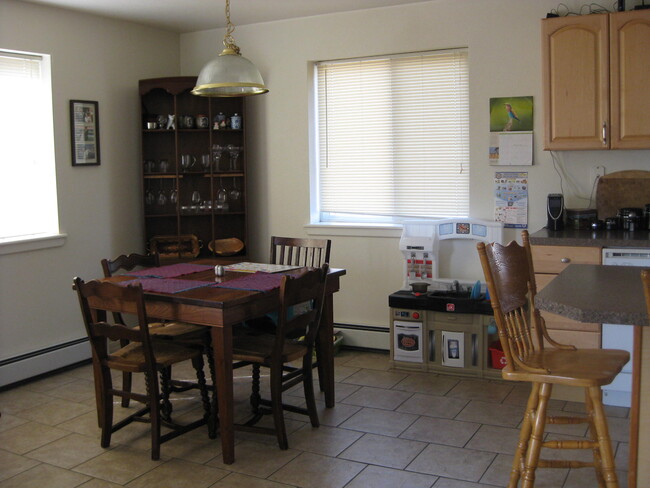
229	74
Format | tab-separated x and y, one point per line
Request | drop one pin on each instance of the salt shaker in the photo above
219	270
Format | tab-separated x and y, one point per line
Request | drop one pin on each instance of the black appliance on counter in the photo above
555	211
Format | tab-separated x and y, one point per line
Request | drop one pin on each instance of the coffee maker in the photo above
555	211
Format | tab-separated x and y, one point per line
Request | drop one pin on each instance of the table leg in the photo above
325	351
222	346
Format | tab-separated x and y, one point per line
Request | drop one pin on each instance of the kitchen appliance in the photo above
555	211
617	336
407	339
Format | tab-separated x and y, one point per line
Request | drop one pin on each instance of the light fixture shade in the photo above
229	75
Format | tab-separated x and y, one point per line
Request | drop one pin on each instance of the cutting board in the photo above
622	189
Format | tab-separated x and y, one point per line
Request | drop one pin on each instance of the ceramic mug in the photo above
187	121
201	121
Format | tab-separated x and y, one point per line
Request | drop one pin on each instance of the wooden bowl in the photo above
226	247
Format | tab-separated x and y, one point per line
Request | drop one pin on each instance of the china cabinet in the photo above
193	168
595	81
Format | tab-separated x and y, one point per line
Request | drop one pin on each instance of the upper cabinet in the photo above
595	78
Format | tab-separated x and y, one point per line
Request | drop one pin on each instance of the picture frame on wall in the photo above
84	132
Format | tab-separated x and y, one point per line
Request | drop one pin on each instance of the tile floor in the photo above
389	428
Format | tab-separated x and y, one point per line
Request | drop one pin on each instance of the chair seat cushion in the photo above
258	349
581	367
131	356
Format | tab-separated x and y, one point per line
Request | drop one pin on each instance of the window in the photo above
392	137
28	200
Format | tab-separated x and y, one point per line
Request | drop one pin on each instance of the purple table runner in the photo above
171	270
258	281
166	285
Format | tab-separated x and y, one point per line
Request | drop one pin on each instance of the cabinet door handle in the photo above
604	133
432	345
565	260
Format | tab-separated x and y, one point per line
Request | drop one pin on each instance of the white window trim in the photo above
26	244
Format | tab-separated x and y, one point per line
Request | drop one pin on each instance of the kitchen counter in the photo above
597	238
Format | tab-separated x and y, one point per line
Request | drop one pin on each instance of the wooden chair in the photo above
293	340
300	252
140	355
511	282
189	335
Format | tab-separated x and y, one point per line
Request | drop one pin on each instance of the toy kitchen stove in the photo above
442	324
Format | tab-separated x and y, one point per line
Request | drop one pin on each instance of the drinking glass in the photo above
149	197
222	197
187	161
173	196
162	198
234	191
196	200
217	151
206	162
234	152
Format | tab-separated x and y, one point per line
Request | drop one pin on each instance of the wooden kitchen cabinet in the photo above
548	262
594	72
190	186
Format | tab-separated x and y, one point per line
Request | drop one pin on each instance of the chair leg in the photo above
106	408
255	393
165	390
126	380
276	405
536	437
598	463
154	407
308	386
524	436
197	363
604	443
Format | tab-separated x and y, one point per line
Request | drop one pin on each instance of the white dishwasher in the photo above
616	336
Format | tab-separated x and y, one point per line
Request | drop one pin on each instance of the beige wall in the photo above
99	206
504	49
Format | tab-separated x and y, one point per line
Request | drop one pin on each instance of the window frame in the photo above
52	237
320	220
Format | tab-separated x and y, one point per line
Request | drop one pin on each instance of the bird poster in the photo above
511	131
511	114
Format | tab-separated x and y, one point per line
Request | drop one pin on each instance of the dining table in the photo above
612	295
192	292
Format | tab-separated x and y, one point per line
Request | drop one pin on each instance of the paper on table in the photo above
255	267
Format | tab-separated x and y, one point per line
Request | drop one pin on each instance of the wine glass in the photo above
196	199
173	196
222	197
149	197
234	152
234	191
206	161
217	151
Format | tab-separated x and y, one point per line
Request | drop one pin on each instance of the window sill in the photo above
354	229
31	244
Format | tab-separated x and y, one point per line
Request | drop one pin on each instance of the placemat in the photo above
165	285
259	281
170	270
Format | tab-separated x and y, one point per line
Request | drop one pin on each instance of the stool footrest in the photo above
561	463
566	420
570	444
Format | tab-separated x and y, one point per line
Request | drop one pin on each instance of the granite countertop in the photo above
596	294
594	238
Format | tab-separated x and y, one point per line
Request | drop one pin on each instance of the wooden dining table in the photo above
612	295
223	308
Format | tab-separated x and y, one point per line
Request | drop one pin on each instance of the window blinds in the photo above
393	135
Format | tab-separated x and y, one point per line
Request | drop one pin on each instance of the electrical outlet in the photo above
597	172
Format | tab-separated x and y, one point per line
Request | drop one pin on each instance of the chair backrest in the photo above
510	279
127	263
99	330
300	252
301	304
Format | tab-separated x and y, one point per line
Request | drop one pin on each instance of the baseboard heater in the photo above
365	336
51	358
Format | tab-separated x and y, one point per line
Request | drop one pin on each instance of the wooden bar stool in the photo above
511	282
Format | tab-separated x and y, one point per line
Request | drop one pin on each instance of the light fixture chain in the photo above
228	40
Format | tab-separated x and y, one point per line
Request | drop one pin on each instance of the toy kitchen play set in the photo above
444	324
